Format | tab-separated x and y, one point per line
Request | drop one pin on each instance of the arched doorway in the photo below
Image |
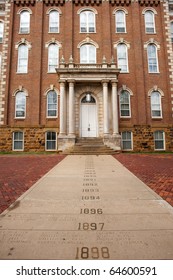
88	116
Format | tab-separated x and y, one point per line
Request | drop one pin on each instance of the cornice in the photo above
89	2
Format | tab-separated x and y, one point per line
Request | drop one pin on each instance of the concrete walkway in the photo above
88	207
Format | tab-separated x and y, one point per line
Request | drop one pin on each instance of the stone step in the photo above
89	146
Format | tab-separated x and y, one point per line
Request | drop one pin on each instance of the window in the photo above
172	31
0	64
159	140
122	57
18	141
24	22
1	31
54	21
149	22
156	110
22	59
87	54
53	57
87	22
20	105
120	22
152	58
51	141
126	140
52	104
125	104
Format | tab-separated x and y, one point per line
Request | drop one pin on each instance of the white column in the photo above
62	108
115	125
71	108
105	108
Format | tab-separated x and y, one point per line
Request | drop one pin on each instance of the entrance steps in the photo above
89	146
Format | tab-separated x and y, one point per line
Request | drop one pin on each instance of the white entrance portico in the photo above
88	103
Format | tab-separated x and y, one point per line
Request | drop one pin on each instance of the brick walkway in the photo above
19	173
155	170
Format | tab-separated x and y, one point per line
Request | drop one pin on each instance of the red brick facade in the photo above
37	81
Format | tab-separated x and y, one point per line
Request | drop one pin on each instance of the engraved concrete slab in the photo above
87	207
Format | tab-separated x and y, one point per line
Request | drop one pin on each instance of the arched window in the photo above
51	141
52	104
171	24
22	66
54	21
53	57
125	104
87	22
122	57
126	140
87	54
1	31
159	140
24	22
152	58
156	108
120	21
149	22
18	141
20	105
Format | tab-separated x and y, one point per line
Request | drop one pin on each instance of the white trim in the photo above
87	9
127	140
54	9
50	150
87	41
18	150
23	10
164	144
51	117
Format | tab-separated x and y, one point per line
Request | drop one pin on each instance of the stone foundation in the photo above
113	142
65	142
34	139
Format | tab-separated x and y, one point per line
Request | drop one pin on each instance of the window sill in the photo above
20	118
18	73
157	118
54	32
87	32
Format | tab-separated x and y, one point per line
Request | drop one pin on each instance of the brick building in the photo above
86	68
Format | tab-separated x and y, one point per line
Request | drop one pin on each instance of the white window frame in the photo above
1	31
155	58
26	29
48	104
123	22
87	23
127	140
129	104
157	139
125	58
16	105
46	147
156	105
57	25
171	30
50	66
87	52
18	140
25	67
148	24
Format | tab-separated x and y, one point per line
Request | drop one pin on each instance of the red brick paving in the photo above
155	170
19	173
